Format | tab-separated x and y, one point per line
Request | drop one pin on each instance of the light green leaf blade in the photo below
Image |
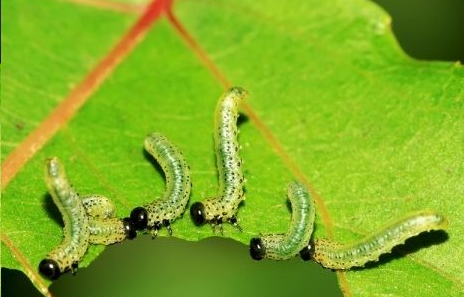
372	131
50	49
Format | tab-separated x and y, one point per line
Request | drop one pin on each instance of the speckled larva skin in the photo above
104	228
286	246
231	180
337	256
178	185
106	231
76	223
98	206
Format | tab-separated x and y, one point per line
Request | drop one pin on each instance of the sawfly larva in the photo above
67	255
223	207
344	256
288	245
163	211
104	227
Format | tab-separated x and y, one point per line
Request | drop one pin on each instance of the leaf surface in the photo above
333	101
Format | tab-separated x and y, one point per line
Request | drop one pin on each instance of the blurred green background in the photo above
426	30
173	267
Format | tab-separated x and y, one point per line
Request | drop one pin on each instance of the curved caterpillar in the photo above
285	246
76	224
104	227
164	211
224	207
88	220
337	256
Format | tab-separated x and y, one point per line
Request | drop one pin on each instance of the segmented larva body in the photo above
76	224
109	231
98	206
231	181
338	256
163	211
288	245
104	227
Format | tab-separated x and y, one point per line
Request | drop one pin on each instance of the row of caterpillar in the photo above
215	210
90	220
297	240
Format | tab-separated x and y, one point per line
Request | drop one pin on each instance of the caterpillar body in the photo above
98	206
344	256
110	230
224	206
67	255
288	245
104	227
163	211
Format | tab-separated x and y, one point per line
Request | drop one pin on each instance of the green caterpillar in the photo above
224	206
163	211
104	227
67	255
286	246
337	256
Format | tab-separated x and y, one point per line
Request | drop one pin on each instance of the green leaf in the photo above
333	100
45	61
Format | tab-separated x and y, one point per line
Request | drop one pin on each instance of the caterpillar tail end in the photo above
443	223
436	220
54	169
237	91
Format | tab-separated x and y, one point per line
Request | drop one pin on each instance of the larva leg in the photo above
155	229
217	224
74	267
98	206
233	221
167	224
221	229
337	256
154	233
214	227
158	225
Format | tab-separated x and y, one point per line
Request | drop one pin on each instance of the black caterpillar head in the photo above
257	249
49	269
129	228
197	212
139	218
307	252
